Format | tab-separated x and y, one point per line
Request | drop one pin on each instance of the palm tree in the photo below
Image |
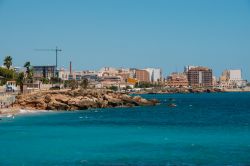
27	64
29	71
7	61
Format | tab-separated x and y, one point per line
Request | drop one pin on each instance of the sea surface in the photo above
204	129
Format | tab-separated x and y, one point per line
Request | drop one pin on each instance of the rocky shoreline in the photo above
78	100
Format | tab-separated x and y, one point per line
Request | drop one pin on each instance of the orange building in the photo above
132	81
142	75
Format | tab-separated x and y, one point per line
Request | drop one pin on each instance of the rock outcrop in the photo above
78	100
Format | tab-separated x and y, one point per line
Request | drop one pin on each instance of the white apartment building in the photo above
235	75
232	79
107	71
155	74
63	74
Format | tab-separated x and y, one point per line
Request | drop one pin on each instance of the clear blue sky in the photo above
128	33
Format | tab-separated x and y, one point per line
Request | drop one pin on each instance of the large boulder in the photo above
137	98
113	102
102	103
129	101
41	106
86	103
73	101
47	98
55	105
36	103
62	98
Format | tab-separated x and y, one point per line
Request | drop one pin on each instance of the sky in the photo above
167	34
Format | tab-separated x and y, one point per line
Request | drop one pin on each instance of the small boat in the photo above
172	105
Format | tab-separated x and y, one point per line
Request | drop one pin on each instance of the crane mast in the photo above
55	50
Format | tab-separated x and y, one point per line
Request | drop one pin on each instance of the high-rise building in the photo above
200	77
155	74
142	75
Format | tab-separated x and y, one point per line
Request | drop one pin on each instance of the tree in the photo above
45	81
143	85
29	70
7	62
55	80
84	84
27	65
73	84
6	75
128	87
113	88
20	80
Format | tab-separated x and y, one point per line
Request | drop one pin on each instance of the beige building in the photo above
107	71
177	80
107	81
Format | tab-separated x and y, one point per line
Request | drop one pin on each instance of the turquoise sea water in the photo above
204	129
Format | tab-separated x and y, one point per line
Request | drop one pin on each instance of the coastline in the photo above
9	111
12	111
57	100
70	100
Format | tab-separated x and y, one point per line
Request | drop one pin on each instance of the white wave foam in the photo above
21	111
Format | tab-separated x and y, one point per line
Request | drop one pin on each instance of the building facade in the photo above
107	71
44	72
232	79
200	77
155	74
76	75
142	75
177	80
63	74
